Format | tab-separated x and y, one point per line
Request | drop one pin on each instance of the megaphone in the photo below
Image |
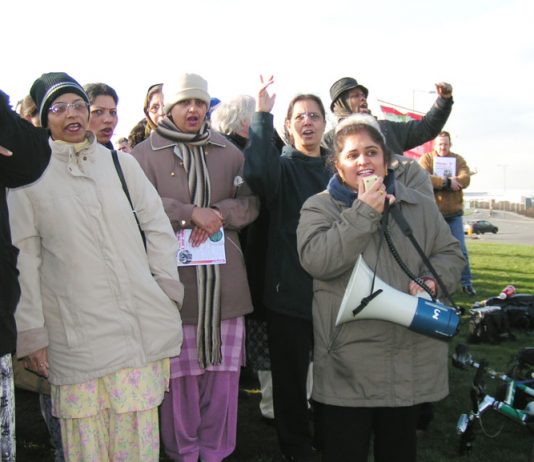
419	314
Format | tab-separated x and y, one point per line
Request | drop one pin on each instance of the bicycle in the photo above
515	403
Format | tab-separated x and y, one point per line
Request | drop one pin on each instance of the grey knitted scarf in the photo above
191	150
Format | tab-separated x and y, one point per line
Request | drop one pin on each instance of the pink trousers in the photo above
199	417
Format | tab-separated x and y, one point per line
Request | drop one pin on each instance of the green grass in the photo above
494	266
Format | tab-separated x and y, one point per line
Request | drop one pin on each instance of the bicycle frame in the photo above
483	402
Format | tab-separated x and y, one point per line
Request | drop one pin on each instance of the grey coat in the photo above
371	363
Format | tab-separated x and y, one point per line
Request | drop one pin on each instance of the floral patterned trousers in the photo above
113	418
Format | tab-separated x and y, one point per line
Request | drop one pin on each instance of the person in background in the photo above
371	375
284	181
232	118
29	111
153	109
137	133
123	145
350	97
103	116
24	155
214	102
198	174
450	175
99	312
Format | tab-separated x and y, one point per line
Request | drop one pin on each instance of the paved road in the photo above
513	228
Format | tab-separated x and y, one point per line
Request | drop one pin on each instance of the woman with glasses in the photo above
99	311
284	181
370	376
153	109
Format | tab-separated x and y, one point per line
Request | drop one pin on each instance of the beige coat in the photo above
90	292
371	363
238	207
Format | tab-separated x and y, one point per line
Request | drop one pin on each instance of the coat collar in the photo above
158	142
71	153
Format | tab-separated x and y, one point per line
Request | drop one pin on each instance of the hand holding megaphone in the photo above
415	289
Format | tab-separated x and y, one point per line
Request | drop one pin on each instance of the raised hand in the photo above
265	101
444	89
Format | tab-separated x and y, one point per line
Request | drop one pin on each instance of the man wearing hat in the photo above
350	97
24	155
198	174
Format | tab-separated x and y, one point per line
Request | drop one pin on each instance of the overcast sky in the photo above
484	48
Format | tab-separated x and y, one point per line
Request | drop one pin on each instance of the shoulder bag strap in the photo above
125	189
407	231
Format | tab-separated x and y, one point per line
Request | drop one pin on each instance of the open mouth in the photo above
74	127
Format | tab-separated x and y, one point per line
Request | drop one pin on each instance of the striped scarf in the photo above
191	150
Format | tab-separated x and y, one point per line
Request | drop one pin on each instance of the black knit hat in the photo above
341	86
51	85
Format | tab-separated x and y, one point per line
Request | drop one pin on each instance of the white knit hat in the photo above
363	119
187	86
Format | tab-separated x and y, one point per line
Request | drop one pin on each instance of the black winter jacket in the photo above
31	154
283	182
403	136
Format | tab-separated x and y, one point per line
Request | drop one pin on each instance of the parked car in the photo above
480	227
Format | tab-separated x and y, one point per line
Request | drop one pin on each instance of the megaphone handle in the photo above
365	301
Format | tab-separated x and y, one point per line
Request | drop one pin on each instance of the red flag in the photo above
401	114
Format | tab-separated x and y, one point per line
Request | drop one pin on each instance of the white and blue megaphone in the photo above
419	314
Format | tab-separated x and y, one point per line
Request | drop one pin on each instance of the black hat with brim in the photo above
343	85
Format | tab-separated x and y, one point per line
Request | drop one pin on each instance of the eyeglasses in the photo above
61	108
313	116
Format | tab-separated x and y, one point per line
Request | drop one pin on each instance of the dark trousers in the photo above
290	347
347	433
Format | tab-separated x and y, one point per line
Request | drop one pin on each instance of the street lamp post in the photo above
429	92
503	166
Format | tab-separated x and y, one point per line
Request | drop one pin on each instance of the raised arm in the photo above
328	245
24	149
262	157
417	132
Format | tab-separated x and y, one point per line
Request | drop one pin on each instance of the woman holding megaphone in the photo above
372	374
